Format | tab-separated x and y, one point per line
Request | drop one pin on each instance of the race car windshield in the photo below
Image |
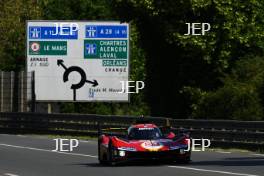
144	133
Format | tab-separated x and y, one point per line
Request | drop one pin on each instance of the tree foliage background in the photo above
218	75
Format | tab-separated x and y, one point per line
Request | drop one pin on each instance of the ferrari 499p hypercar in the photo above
143	142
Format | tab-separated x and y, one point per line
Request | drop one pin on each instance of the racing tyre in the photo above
101	160
186	160
110	154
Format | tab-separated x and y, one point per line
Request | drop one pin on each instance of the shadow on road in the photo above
138	164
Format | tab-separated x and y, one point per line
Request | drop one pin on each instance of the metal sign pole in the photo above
33	96
2	91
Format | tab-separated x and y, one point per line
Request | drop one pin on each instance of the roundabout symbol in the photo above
83	80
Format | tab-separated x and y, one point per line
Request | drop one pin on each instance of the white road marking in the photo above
84	141
45	137
223	152
44	150
8	174
20	135
258	155
215	171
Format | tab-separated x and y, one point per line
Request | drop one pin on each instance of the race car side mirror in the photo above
171	135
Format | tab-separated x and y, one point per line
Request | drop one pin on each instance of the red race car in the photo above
143	141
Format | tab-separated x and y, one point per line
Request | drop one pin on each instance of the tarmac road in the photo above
33	156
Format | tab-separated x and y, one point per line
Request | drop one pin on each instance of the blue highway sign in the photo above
106	31
52	32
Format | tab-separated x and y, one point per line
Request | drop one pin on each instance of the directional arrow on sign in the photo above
94	82
60	62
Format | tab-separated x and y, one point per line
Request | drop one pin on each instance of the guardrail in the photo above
223	133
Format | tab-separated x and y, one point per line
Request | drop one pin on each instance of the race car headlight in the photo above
122	153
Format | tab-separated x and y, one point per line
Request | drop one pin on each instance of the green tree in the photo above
13	16
240	98
175	61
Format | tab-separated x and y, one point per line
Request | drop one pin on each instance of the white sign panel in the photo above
78	61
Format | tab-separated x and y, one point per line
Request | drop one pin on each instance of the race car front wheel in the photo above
110	154
185	160
101	157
